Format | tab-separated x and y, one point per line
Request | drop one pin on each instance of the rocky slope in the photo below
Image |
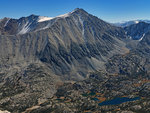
46	60
137	31
73	41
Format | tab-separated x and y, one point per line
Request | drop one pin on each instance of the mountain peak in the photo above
33	16
75	11
79	10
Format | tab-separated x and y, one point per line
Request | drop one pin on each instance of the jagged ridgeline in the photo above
41	56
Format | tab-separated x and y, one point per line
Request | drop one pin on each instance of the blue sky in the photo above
108	10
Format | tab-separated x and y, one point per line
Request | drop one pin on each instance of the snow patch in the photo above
81	21
6	23
136	22
4	111
47	26
142	37
130	37
19	24
25	28
64	15
43	18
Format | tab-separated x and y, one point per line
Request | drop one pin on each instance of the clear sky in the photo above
108	10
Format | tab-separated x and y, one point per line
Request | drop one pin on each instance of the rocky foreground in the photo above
90	95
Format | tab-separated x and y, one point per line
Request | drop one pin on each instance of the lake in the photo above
118	100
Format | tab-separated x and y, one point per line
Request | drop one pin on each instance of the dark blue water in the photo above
118	100
92	93
95	99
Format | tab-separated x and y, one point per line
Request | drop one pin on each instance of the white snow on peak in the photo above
136	22
43	18
25	28
64	15
142	37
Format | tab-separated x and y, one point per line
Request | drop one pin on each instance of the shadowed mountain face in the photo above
137	31
38	55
